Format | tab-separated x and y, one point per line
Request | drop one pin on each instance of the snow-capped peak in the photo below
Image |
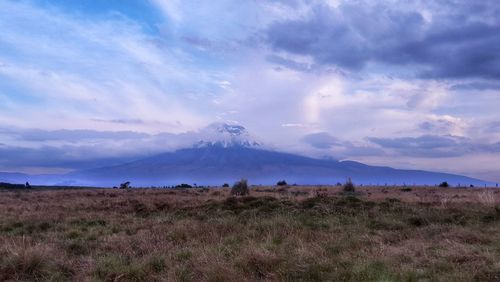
233	130
226	135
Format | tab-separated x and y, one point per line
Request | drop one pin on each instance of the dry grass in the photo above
292	234
487	197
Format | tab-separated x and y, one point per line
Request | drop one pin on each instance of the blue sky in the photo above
409	84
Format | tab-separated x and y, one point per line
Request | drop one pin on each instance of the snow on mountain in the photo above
226	135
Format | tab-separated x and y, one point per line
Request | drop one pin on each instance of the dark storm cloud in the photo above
74	157
77	149
325	141
321	140
120	121
462	40
423	142
71	135
435	146
493	126
441	125
289	63
320	37
476	86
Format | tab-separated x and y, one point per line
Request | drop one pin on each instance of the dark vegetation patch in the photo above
237	205
25	228
418	221
114	267
10	186
32	263
84	222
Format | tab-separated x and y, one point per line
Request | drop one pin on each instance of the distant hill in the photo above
13	177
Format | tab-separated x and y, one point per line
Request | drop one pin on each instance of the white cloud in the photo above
80	70
171	8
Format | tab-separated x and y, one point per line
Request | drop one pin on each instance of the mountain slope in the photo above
216	164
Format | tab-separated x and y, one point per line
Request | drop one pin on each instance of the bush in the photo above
444	184
125	185
157	264
26	262
240	188
183	185
349	186
282	183
225	185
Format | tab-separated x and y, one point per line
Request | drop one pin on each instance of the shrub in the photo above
240	188
77	248
225	185
24	261
349	186
183	185
444	184
282	183
125	185
157	264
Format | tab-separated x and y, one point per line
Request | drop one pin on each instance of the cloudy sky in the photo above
408	84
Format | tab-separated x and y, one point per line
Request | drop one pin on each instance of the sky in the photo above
407	84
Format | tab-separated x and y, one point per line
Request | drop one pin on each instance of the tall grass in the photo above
312	234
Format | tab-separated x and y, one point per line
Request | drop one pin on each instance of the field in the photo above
275	234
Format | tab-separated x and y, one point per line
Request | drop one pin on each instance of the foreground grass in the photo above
299	234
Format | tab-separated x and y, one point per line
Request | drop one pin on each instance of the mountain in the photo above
223	153
229	152
215	164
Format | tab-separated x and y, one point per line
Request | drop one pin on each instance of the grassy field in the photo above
285	234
